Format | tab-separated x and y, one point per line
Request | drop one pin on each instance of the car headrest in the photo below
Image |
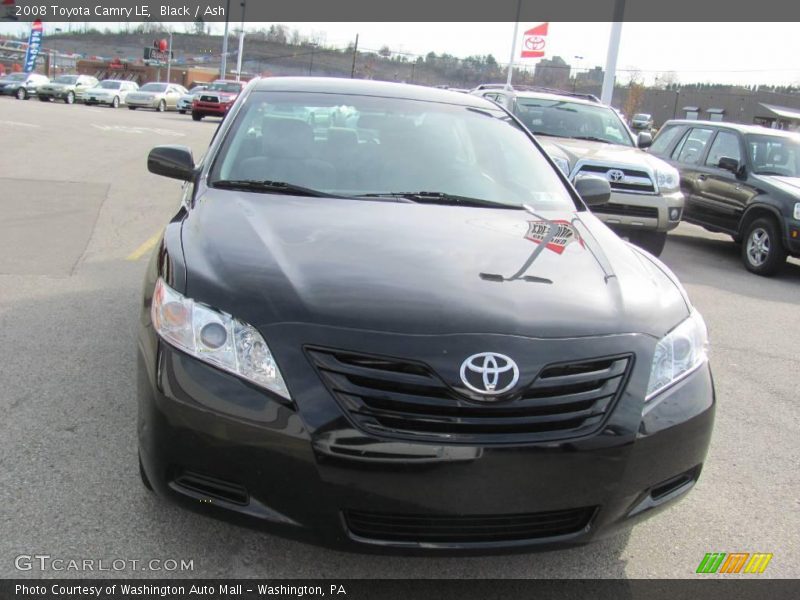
286	137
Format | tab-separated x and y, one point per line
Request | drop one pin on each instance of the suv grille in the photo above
628	210
205	98
401	398
466	529
634	180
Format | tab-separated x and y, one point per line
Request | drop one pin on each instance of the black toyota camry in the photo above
383	319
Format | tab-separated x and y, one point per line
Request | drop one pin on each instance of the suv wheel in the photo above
652	241
196	116
22	94
762	249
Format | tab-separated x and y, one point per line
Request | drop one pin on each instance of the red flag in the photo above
533	41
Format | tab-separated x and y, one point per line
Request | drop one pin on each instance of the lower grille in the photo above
206	487
628	210
466	529
399	398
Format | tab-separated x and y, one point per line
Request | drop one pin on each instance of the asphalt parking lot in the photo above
79	215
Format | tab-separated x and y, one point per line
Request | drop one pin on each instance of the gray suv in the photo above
587	138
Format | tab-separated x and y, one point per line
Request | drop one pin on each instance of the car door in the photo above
720	195
172	96
688	157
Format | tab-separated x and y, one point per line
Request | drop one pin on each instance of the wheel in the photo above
143	475
652	241
196	116
131	108
762	249
115	102
44	99
182	111
22	94
70	98
162	106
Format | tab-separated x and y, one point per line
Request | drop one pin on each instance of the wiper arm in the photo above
442	198
271	187
590	138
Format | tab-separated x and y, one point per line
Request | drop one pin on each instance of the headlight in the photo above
562	164
215	338
797	210
668	178
678	353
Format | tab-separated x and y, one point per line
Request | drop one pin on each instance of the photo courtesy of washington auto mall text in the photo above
436	300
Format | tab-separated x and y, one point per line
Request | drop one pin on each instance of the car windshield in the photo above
16	77
350	145
562	118
67	79
233	88
774	155
153	87
197	89
109	85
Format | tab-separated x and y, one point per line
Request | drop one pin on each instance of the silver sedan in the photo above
158	96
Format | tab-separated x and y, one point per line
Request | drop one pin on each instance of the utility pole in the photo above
311	63
241	44
513	46
355	51
169	59
607	94
224	63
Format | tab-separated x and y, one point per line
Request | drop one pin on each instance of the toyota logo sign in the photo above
615	175
489	373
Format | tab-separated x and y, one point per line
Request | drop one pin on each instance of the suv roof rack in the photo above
536	88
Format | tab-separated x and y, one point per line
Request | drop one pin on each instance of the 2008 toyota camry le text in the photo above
383	319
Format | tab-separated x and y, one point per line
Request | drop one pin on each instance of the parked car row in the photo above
216	99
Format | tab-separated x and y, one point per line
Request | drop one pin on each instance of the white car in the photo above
156	95
111	92
185	102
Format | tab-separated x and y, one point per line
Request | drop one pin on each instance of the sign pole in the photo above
607	95
513	47
169	59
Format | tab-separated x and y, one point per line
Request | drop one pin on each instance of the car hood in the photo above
789	185
600	153
421	269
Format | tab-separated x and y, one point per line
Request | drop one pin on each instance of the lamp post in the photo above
55	55
224	63
578	60
311	63
241	44
169	59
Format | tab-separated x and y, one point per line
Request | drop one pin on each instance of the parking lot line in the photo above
146	247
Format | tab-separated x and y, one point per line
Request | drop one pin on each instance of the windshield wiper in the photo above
767	172
590	138
270	187
442	198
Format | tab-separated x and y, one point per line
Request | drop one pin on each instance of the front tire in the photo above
115	102
70	98
22	94
652	241
196	116
762	249
162	106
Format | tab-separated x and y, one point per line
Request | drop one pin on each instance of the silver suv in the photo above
587	138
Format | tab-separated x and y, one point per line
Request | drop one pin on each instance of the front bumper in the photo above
642	211
143	103
210	108
791	236
299	469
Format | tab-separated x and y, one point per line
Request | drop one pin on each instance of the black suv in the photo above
739	179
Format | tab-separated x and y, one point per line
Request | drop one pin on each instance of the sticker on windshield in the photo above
563	236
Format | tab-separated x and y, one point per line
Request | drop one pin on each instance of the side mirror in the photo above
593	190
729	164
176	162
644	140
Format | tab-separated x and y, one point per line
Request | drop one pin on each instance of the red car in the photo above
216	99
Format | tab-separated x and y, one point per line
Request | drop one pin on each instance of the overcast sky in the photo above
745	53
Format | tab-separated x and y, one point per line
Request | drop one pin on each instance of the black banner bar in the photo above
402	10
732	588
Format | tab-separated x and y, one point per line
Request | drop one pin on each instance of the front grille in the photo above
634	180
627	210
465	529
204	487
209	99
394	397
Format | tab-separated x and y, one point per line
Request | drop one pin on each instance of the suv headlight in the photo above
678	353
667	178
561	163
216	338
797	210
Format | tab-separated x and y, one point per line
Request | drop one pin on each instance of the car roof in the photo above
363	87
740	127
566	97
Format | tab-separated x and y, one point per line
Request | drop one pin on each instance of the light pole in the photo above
311	63
224	63
241	44
169	59
578	60
55	56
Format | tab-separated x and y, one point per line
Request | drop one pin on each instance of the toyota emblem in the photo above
489	373
615	175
